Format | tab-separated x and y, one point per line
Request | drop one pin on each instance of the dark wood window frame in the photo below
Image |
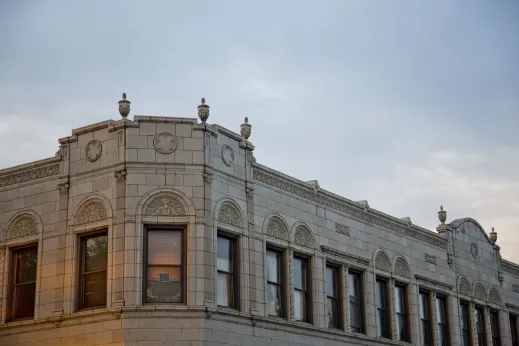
514	329
480	325
81	273
444	325
11	294
307	289
356	301
282	284
235	258
165	227
425	319
465	323
338	299
494	327
403	315
383	310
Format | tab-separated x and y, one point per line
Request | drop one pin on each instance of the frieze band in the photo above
357	212
28	175
510	268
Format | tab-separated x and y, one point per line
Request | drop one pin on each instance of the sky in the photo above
407	104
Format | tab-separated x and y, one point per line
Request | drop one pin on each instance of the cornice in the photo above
509	267
336	252
277	180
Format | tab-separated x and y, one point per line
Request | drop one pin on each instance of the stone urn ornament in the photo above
246	129
203	111
124	107
493	236
442	215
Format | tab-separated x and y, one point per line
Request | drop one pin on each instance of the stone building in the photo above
166	231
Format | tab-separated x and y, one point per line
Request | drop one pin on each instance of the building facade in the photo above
166	231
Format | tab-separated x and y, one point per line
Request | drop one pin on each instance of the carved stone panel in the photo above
93	150
382	262
230	215
430	258
277	229
23	226
166	206
474	250
515	288
464	287
92	212
342	229
28	175
302	237
493	296
479	292
165	143
401	268
227	155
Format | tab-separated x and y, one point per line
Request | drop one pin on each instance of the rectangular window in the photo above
425	319
494	328
480	326
94	260
22	290
465	324
302	284
401	318
441	317
226	263
333	309
355	288
382	312
275	283
514	330
164	266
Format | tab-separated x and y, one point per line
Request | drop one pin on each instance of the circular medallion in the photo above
474	249
227	155
165	143
93	150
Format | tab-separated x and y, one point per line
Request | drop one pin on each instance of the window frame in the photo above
170	228
465	314
11	279
405	313
359	300
384	310
235	258
338	299
80	273
425	321
494	329
514	329
445	325
481	329
307	282
282	284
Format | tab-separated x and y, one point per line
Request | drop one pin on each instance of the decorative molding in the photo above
479	292
450	260
165	142
230	215
30	174
401	268
430	259
515	288
228	155
64	187
93	150
464	287
249	190
510	268
500	277
382	262
342	229
120	174
208	177
302	237
349	257
347	207
474	250
276	228
493	296
24	225
166	206
436	284
93	211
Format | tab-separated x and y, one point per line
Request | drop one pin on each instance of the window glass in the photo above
93	271
23	287
273	266
164	247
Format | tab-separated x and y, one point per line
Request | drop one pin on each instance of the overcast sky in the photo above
406	104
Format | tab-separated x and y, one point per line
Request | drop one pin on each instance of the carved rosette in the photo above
92	212
302	237
401	268
277	229
493	296
464	287
23	226
166	206
120	174
479	292
382	262
230	215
